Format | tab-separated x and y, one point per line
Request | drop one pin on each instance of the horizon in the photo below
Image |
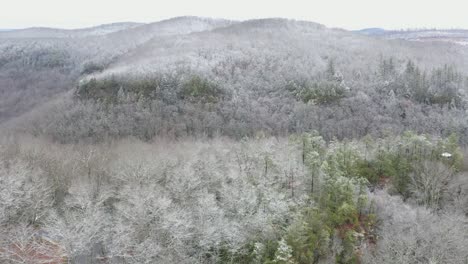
2	29
355	15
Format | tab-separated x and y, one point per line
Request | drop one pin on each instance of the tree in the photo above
409	234
429	182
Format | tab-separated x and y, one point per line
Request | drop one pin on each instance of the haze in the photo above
397	14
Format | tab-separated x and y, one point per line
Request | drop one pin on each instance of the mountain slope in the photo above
196	76
296	46
38	64
130	38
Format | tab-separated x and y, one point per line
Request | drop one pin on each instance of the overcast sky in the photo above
348	14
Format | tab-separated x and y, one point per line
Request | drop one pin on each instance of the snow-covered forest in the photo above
198	140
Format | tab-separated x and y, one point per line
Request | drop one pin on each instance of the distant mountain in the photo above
42	32
126	30
371	31
173	26
265	40
431	35
457	36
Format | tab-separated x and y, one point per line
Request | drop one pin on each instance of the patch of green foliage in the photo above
326	89
201	90
92	67
321	92
165	88
408	155
105	90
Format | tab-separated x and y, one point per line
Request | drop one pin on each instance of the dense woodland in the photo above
194	140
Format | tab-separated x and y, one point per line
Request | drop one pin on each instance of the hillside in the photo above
284	69
302	46
39	64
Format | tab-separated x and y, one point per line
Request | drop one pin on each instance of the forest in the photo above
197	140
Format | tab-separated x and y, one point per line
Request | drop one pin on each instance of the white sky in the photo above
348	14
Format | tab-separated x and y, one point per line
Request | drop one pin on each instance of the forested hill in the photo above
198	140
197	76
305	46
38	64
